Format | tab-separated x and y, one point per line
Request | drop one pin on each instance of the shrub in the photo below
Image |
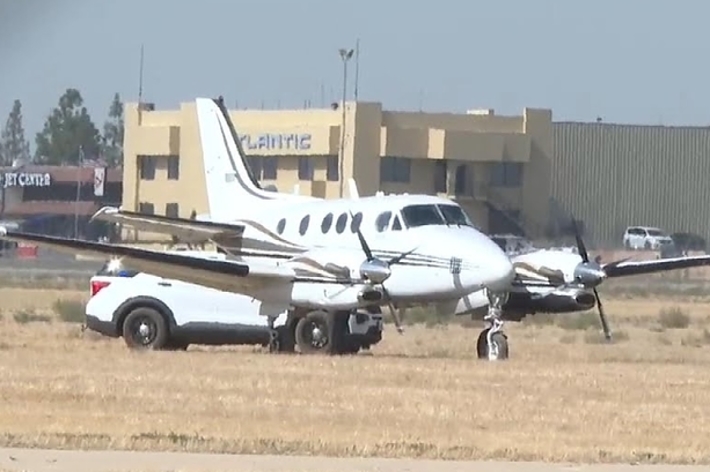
70	311
23	317
673	318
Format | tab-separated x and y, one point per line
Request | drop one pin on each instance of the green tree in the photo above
13	144
67	130
113	133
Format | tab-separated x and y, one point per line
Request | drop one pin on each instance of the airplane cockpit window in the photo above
383	221
327	222
356	221
281	226
340	224
421	215
454	215
303	227
396	225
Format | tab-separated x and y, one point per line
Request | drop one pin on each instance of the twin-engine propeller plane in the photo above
559	281
304	255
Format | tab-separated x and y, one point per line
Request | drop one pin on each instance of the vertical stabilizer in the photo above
231	185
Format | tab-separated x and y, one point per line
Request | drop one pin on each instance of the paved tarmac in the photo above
39	460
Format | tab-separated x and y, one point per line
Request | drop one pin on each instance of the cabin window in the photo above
327	222
340	224
303	227
355	223
383	221
281	226
396	226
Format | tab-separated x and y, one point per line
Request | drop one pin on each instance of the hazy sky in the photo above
639	61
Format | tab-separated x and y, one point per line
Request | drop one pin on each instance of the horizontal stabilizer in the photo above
187	230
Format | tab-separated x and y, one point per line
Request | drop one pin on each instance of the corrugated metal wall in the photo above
612	176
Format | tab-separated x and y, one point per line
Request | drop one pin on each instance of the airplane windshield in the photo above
423	215
454	215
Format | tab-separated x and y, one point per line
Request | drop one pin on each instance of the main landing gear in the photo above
274	344
492	343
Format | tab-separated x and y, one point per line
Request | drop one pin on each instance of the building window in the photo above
506	174
146	208
254	163
146	165
440	168
172	210
269	167
332	171
305	168
173	167
461	179
395	169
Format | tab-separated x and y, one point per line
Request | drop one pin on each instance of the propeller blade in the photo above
363	243
602	317
397	259
580	244
393	312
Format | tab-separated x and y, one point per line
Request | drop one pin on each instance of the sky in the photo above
626	61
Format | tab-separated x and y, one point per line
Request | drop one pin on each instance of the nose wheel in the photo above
492	344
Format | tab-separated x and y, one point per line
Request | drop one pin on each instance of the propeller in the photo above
376	271
590	273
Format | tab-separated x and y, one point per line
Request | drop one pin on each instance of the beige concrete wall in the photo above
476	141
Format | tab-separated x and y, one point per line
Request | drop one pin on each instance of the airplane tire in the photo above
499	339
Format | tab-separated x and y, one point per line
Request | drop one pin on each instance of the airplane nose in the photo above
500	268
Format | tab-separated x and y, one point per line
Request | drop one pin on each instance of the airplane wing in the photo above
226	275
186	230
625	267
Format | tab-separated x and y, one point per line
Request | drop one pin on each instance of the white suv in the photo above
151	312
645	237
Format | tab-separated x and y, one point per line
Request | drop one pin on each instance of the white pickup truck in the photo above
151	312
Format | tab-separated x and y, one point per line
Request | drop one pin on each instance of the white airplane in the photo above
305	254
562	281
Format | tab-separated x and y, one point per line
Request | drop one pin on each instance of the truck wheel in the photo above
312	333
145	329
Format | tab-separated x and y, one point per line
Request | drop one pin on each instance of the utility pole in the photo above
345	55
78	192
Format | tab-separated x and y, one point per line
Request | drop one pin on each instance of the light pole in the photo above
345	55
78	191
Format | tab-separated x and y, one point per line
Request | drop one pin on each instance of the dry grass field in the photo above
563	395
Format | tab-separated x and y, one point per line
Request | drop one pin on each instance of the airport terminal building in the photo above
497	168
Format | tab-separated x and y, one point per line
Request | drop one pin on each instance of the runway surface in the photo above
39	460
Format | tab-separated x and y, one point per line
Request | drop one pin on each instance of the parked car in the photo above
645	237
152	312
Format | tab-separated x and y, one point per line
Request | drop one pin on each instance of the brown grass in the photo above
563	395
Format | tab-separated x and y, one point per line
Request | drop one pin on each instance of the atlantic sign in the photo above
26	179
277	141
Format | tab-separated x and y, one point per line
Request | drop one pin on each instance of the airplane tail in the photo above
231	184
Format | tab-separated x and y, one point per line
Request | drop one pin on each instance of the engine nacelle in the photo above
557	301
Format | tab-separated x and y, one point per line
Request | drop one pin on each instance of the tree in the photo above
113	133
67	130
13	144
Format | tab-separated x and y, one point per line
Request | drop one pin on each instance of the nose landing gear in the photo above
492	343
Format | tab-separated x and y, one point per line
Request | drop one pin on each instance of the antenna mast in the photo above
140	88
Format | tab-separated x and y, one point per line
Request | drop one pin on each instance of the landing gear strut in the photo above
492	342
273	335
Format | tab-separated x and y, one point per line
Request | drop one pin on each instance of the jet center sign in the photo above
23	179
277	141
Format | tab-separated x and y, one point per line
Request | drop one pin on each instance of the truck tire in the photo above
145	329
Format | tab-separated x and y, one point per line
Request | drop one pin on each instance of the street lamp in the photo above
345	55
